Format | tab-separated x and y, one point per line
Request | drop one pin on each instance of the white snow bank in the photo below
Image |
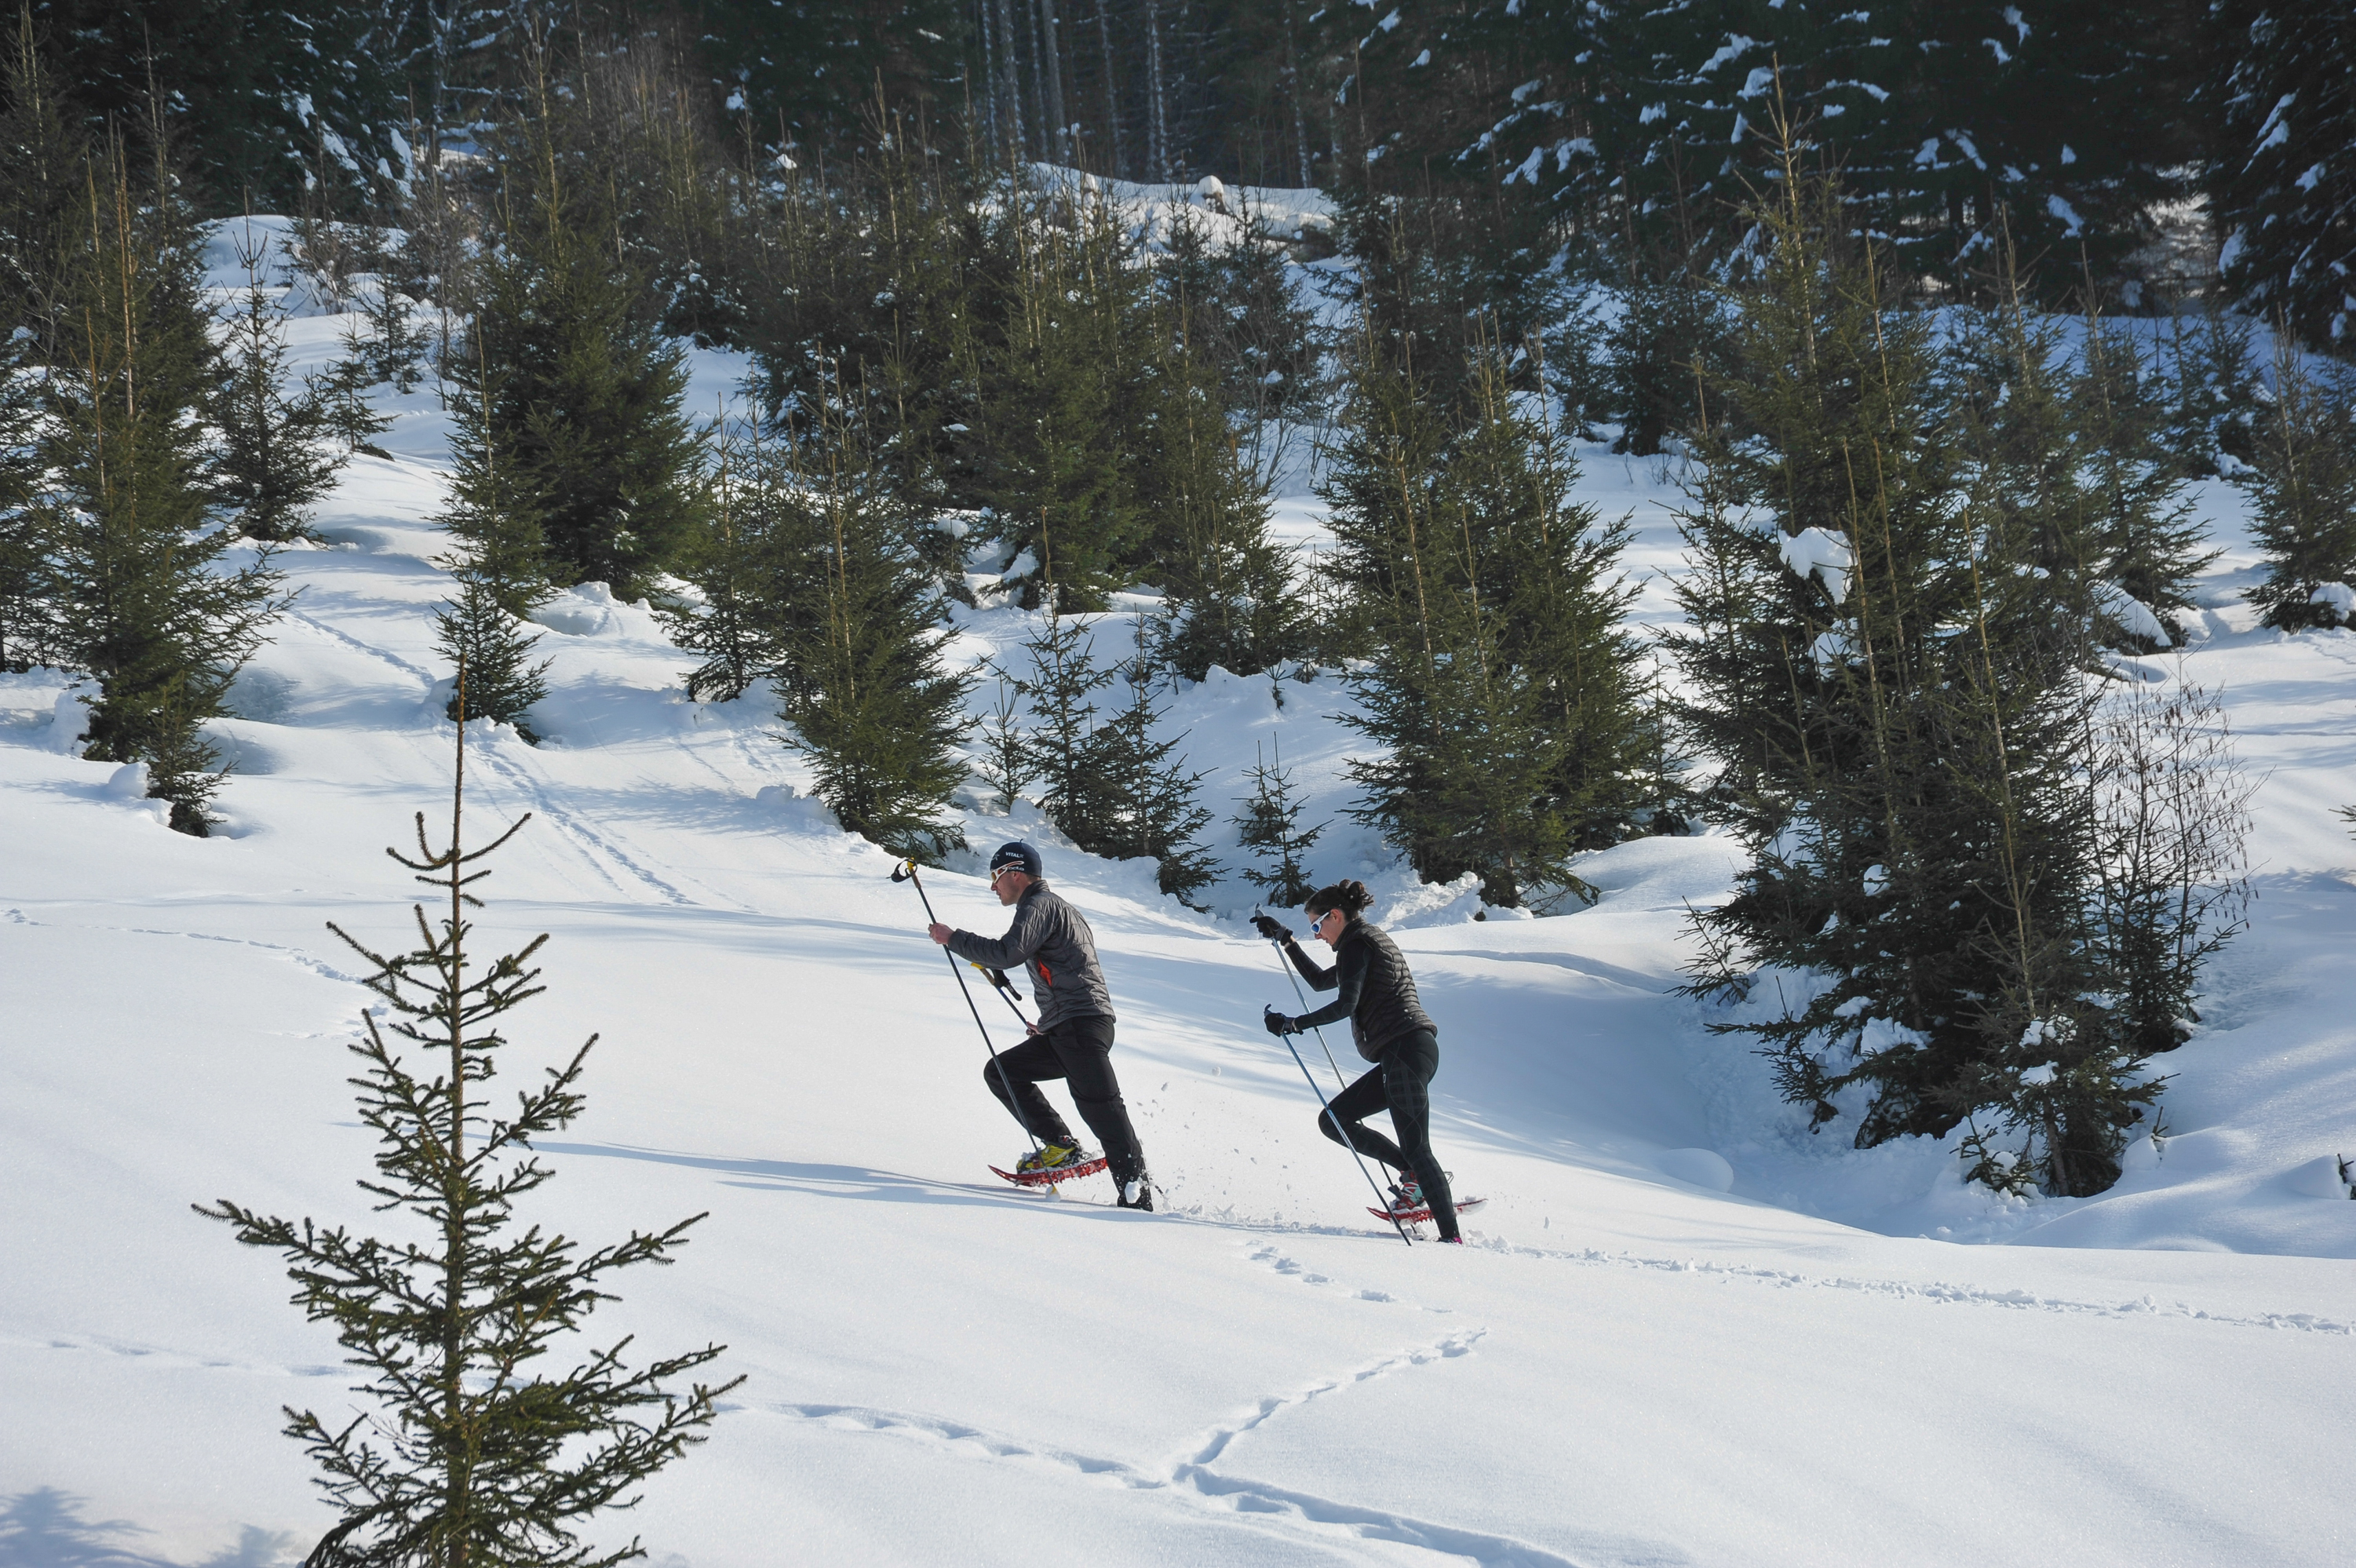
2129	613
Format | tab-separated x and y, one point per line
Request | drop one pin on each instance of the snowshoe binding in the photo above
1055	1163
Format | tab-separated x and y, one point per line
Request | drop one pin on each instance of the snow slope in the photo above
1641	1360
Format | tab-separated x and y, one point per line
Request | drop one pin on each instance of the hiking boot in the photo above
1407	1196
1054	1156
1138	1194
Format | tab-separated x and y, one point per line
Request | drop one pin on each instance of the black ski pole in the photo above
1298	996
999	982
906	872
1335	1122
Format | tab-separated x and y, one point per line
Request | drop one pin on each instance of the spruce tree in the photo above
2282	105
2213	389
1230	587
341	395
1498	682
42	151
471	1454
480	638
1893	681
1005	764
2149	543
143	598
395	346
1668	327
26	614
1150	793
867	692
1062	379
1060	691
2073	442
566	361
272	465
499	565
41	162
740	557
2302	485
1270	823
492	510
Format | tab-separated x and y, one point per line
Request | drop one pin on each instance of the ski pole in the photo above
999	984
906	872
1298	995
1335	1122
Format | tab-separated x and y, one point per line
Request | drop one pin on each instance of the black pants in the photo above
1079	1051
1401	1085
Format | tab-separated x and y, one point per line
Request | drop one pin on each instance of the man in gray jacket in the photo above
1073	1037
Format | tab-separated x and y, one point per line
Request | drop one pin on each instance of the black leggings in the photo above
1079	1051
1401	1085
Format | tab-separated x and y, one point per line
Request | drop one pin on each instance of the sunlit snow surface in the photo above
1628	1366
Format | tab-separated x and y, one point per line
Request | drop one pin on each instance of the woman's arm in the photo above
1348	975
1319	977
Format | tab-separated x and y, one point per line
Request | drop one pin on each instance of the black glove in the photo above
1268	926
1278	1024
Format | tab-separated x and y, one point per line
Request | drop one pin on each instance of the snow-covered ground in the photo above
1636	1361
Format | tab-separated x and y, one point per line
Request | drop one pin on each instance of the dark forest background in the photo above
1615	134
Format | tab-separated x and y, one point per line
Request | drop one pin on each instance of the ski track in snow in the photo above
598	849
319	967
424	678
1192	1480
166	1357
1937	1293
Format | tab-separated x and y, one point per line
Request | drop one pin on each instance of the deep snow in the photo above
1686	1331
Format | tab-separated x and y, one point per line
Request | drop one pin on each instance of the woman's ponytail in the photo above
1350	897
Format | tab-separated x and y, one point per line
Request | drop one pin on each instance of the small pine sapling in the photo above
1150	787
1005	764
342	396
1064	677
493	653
871	703
2302	485
395	345
2149	546
272	465
730	559
468	1456
2213	396
1270	823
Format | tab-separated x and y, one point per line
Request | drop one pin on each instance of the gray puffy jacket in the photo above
1050	939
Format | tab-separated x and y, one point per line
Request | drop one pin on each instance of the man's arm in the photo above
1021	938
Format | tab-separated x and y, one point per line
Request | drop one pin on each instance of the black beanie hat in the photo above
1018	855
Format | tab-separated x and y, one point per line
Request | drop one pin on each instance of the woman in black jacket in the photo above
1391	1029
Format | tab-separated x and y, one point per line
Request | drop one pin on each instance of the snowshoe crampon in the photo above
1417	1216
1071	1170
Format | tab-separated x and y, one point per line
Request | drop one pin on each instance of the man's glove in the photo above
1271	927
1278	1024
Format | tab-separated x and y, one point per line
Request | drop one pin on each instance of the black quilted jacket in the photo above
1377	994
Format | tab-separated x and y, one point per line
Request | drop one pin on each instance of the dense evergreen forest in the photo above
1959	298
